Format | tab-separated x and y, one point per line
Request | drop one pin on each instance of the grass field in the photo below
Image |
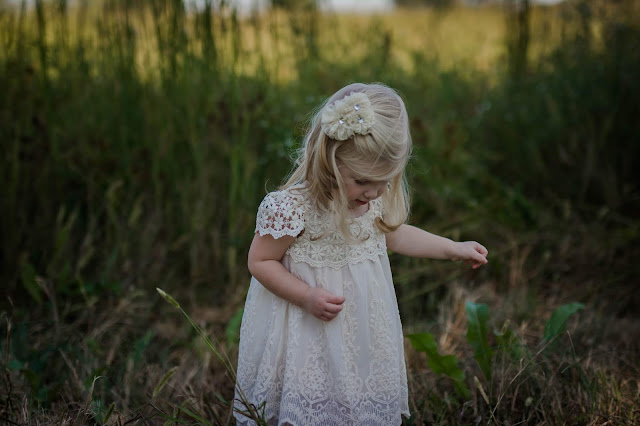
138	140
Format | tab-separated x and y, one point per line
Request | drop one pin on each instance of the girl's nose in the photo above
374	192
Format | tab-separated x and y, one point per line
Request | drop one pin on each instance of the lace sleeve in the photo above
280	214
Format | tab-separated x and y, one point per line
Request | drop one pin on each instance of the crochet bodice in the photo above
319	242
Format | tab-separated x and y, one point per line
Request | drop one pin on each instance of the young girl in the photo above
321	340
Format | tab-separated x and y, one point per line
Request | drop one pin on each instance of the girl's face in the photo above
360	190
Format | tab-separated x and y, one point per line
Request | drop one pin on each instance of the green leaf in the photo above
233	327
447	364
558	322
508	342
14	364
478	315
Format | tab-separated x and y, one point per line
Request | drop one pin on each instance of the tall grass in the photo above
139	138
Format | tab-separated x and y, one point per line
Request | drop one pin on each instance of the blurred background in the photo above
139	137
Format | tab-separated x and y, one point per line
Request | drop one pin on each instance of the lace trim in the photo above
280	214
321	245
333	253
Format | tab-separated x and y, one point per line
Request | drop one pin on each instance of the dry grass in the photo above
118	352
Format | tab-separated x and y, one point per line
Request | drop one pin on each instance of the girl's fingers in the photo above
334	309
473	253
478	256
482	249
338	300
327	317
330	312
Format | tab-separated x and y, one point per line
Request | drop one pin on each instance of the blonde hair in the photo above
380	155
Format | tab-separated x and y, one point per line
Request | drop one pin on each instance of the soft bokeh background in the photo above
138	138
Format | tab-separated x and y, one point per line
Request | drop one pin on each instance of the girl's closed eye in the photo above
363	182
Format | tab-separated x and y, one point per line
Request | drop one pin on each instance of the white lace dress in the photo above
348	371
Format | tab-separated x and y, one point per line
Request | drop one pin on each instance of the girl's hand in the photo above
470	252
322	304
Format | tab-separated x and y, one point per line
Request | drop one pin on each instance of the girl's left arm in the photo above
415	242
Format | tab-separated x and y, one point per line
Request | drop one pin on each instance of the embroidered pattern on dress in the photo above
383	380
349	384
315	377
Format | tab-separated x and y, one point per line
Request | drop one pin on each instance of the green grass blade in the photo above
193	415
163	381
108	413
232	331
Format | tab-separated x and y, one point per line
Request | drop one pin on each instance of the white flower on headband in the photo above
348	116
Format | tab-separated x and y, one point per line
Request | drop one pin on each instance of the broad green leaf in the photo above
478	315
14	364
558	321
440	364
233	327
461	388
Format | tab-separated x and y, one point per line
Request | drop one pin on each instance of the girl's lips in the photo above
362	203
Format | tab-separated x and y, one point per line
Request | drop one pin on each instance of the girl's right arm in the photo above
265	265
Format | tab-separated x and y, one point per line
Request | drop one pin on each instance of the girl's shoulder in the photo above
293	198
282	212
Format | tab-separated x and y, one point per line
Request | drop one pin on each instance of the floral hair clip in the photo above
348	116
